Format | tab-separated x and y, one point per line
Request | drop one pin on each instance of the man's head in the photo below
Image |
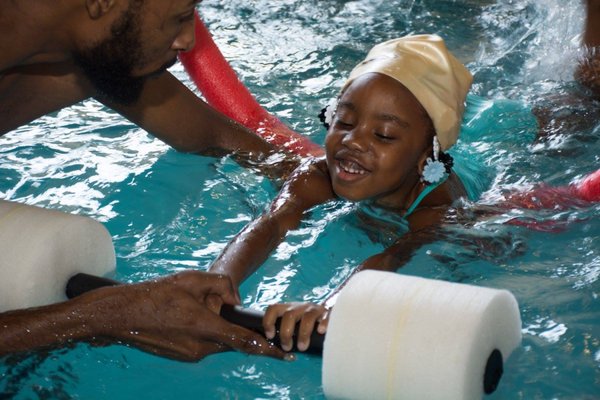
144	37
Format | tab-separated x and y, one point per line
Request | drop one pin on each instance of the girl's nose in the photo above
355	139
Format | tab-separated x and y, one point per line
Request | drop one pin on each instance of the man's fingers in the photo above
182	350
244	340
214	303
201	284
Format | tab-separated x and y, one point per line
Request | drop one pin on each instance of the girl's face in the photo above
378	142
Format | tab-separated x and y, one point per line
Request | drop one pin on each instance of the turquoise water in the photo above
169	211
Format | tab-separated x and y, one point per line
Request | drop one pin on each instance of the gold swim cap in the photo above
434	76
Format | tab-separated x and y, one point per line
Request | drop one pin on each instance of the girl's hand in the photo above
307	314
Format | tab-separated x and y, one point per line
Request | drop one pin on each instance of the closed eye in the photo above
342	124
384	137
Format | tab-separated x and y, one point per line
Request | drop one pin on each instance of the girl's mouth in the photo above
349	171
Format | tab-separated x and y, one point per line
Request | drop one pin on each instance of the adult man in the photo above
56	53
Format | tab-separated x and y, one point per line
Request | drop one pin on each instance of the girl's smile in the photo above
379	134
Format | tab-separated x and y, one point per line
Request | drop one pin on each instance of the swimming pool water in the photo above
169	211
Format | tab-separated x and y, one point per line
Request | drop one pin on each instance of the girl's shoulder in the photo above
446	194
308	186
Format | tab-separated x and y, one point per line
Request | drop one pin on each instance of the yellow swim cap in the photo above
434	76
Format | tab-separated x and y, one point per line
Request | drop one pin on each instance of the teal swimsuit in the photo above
393	221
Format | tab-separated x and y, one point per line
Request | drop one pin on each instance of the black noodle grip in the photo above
249	319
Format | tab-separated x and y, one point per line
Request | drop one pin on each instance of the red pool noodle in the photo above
543	196
222	89
589	188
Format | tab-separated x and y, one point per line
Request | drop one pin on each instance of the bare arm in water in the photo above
166	108
308	186
175	317
588	68
582	112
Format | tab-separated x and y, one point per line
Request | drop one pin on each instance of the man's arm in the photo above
588	69
308	186
32	91
591	35
175	317
166	108
568	112
174	114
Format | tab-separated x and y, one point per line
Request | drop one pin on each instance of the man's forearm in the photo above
48	326
174	114
591	35
587	71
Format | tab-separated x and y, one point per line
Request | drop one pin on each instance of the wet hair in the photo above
322	117
447	160
443	157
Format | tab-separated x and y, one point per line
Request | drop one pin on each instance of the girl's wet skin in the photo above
378	142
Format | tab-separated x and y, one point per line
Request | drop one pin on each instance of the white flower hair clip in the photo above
328	112
434	170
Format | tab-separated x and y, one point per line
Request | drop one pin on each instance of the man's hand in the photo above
176	317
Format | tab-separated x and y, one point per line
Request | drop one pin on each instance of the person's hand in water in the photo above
309	315
175	317
587	71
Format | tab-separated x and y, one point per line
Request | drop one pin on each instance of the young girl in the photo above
399	111
397	114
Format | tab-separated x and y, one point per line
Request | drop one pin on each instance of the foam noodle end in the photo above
41	249
400	337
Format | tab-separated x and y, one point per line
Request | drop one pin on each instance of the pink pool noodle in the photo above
222	89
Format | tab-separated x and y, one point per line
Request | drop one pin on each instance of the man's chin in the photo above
125	93
159	71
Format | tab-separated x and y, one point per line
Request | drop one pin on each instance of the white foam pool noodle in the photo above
392	336
41	249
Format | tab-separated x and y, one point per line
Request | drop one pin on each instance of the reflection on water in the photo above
169	211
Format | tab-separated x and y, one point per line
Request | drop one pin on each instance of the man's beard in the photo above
109	64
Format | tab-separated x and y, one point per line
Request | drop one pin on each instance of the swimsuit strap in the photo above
428	189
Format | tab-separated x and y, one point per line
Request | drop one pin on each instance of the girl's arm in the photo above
308	186
424	224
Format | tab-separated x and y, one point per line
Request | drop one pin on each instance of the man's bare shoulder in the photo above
31	91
